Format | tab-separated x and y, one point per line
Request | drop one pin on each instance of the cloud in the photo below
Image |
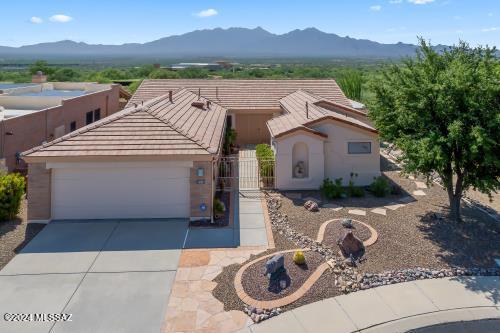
36	20
490	14
207	13
60	18
395	1
457	17
375	8
490	29
420	2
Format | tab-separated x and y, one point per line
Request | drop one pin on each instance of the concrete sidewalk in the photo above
394	308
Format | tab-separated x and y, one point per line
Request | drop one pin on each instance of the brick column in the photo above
201	190
39	192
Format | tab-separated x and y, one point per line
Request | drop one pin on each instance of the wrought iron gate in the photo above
247	173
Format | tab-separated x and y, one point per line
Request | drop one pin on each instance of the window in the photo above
97	114
359	147
89	119
72	126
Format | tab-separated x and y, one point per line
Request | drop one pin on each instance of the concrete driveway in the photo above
112	276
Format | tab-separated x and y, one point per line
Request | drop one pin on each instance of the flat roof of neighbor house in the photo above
24	98
187	125
304	109
55	93
242	94
15	85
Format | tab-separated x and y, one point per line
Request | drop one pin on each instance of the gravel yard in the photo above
258	286
15	234
415	235
334	231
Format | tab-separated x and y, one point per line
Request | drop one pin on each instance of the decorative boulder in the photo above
275	266
351	246
311	206
347	223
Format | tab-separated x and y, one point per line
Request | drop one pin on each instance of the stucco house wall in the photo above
339	163
284	162
31	130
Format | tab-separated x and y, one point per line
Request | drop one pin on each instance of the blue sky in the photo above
116	22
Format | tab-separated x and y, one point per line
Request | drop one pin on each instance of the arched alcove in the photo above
300	160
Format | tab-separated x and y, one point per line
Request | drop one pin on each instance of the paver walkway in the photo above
393	308
192	306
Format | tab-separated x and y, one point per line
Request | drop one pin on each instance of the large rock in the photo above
351	246
275	265
311	206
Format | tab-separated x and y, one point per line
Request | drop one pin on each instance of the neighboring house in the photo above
158	157
31	114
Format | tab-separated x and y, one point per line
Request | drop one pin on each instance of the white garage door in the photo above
120	192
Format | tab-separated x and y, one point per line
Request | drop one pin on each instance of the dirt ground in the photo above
15	234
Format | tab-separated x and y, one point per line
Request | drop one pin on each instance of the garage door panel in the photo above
96	193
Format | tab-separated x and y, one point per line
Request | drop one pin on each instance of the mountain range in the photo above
231	42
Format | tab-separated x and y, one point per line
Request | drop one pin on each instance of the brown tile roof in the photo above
242	94
297	117
158	127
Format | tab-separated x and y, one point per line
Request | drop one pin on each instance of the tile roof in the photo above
298	116
242	94
157	127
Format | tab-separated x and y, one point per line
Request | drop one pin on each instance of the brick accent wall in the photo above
201	190
39	192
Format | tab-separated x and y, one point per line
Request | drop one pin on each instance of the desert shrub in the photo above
11	193
332	189
380	187
299	258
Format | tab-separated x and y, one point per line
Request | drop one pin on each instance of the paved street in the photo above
394	308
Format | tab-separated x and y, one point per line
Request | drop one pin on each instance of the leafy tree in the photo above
41	65
351	81
443	111
65	74
163	74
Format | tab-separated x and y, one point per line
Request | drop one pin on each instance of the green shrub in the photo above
11	193
332	190
352	190
380	187
219	207
229	140
265	157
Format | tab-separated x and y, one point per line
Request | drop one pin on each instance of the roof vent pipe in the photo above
307	110
208	104
170	98
199	93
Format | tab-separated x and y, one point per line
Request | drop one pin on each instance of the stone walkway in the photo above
393	308
192	307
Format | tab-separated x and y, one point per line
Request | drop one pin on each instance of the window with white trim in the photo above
359	147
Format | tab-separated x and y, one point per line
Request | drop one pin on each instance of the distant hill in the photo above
232	42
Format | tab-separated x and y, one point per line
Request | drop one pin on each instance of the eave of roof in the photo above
157	127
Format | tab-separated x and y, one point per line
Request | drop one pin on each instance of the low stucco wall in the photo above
285	167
